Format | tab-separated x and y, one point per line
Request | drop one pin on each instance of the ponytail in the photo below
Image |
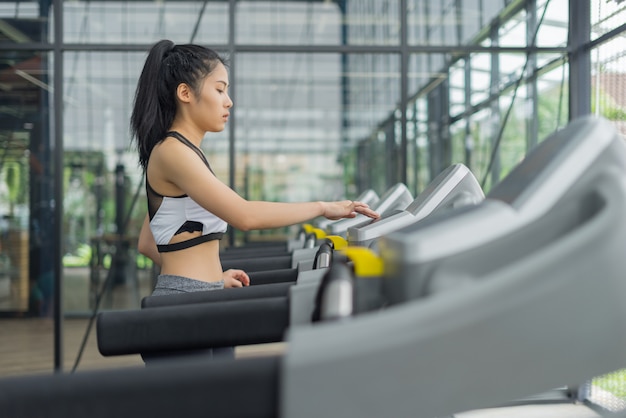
155	105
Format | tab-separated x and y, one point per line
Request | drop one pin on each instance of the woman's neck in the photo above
195	137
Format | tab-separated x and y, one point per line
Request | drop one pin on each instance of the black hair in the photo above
166	67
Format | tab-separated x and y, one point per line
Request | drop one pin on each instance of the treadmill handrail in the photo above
195	326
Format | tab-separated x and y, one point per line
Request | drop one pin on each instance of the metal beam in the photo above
579	58
57	153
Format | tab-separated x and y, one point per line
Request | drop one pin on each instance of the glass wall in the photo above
26	170
25	22
26	163
26	190
101	174
370	22
140	22
484	95
289	112
299	118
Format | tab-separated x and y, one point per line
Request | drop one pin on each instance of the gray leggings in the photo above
169	284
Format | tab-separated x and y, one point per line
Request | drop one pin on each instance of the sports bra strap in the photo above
187	142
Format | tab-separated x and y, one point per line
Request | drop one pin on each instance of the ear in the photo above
184	93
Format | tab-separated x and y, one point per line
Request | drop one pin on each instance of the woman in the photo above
182	93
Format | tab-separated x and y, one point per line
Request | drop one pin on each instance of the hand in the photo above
347	209
235	278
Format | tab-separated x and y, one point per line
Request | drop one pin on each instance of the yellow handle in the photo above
339	242
366	262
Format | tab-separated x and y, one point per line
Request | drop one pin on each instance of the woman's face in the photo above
212	107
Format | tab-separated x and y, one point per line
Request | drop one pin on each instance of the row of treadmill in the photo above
451	301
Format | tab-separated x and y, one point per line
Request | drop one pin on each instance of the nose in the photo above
229	102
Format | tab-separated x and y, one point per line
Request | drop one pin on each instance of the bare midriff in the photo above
200	262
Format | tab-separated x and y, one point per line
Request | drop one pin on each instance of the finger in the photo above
363	209
373	214
244	279
368	212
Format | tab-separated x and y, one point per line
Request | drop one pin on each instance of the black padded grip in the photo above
283	244
244	388
288	275
254	253
192	327
239	293
258	263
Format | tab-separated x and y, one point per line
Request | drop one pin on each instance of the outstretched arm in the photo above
182	169
248	215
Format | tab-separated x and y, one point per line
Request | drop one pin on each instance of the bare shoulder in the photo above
170	153
175	164
167	147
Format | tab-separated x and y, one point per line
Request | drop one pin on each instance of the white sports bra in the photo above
172	215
